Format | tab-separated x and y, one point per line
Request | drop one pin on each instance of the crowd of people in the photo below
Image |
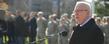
38	27
103	23
34	25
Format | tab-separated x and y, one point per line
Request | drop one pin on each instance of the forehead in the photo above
82	6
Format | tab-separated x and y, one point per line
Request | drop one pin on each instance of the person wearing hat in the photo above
86	31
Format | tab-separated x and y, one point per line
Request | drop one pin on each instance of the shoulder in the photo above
38	19
44	18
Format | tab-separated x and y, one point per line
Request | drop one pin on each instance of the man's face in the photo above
81	13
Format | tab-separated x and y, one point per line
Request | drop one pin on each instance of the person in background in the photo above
3	25
98	21
104	24
52	30
63	30
86	31
21	29
32	25
10	19
106	30
41	27
66	19
71	25
104	21
55	17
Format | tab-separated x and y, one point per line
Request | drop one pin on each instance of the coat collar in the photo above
88	23
84	22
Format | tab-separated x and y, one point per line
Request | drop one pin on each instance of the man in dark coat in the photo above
10	18
32	25
86	32
3	25
21	29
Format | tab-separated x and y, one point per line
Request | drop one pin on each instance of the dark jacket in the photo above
3	27
10	25
32	25
89	33
11	28
20	27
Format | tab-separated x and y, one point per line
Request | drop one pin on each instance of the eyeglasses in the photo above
80	10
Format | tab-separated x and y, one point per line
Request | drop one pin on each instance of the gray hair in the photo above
87	4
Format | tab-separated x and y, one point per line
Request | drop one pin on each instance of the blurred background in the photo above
100	7
100	10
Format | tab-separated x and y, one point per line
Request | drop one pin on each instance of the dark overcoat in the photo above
20	27
89	33
3	27
32	26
